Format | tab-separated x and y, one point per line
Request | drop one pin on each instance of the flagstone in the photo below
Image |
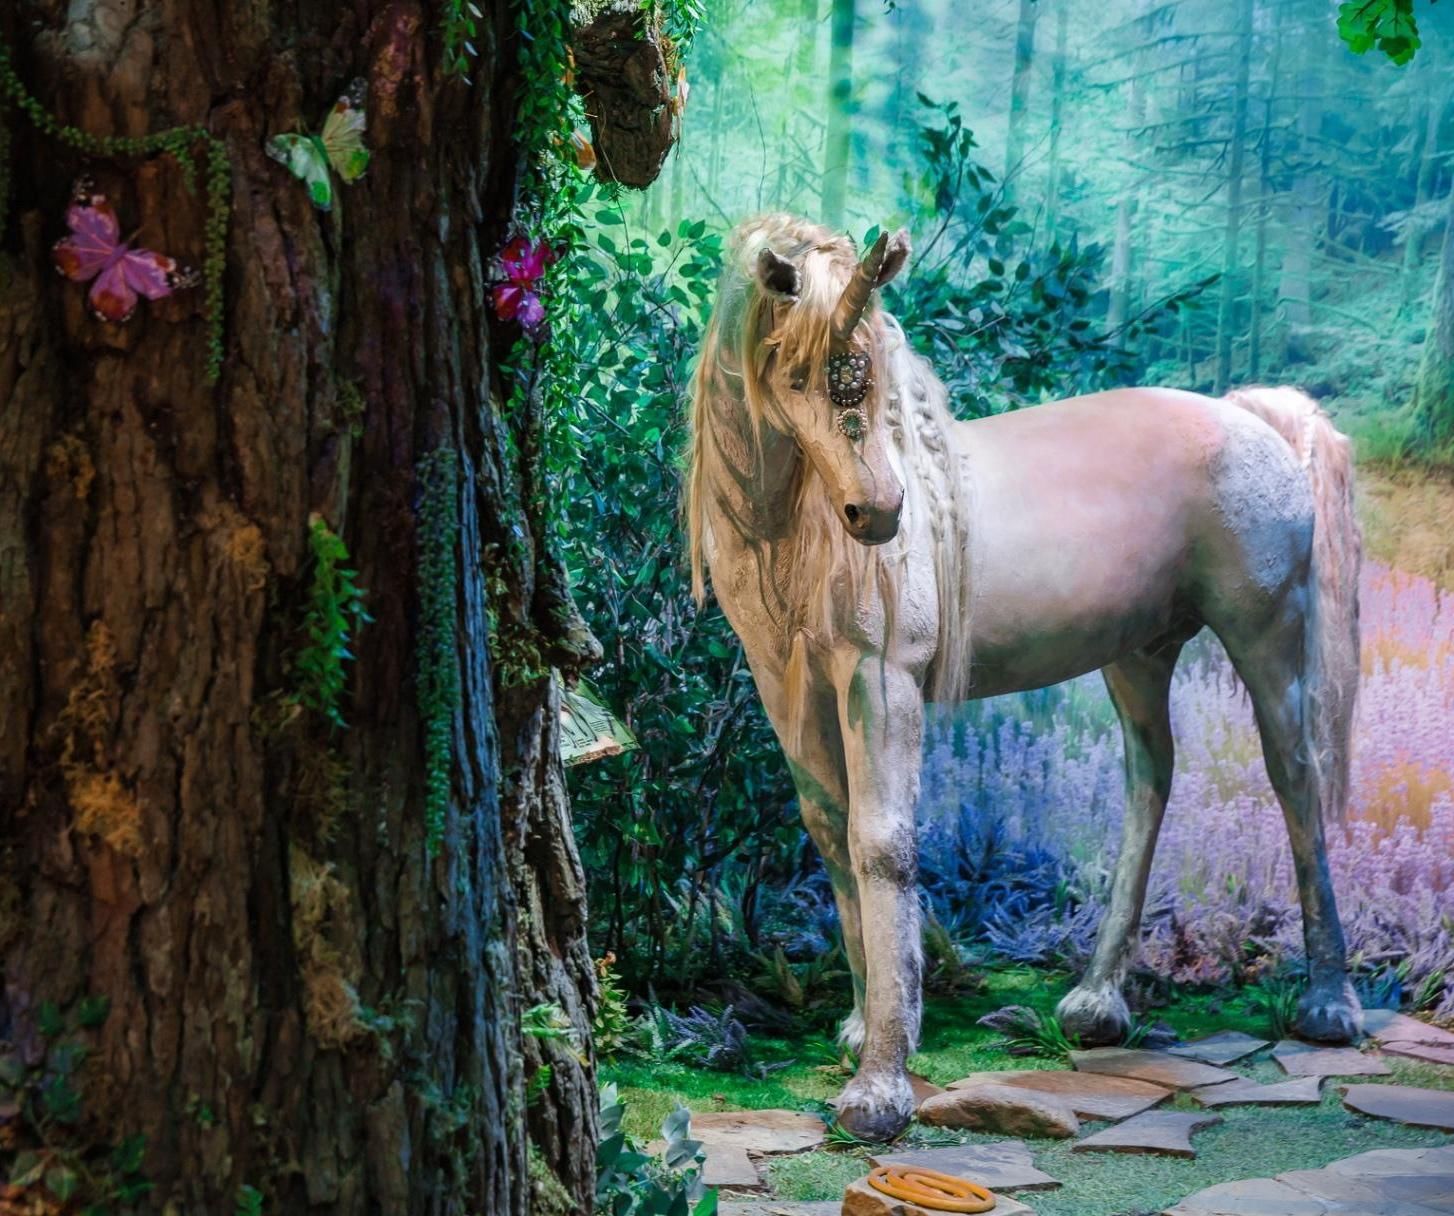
1157	1131
1301	1091
760	1131
1252	1197
777	1207
1389	1026
728	1165
1090	1095
860	1199
1001	1108
1305	1060
1221	1048
1429	1053
1403	1104
1157	1067
1007	1165
1387	1162
923	1088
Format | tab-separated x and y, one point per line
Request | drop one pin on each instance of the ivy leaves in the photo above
1387	24
335	611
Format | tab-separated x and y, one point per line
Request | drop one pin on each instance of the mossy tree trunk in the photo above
302	999
838	143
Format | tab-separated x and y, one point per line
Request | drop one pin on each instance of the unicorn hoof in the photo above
1329	1013
876	1109
1095	1016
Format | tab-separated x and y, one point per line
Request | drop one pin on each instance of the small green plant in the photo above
335	612
249	1201
630	1182
611	1027
1275	996
461	27
1028	1032
51	1166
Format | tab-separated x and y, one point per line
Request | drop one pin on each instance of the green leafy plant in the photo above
1028	1032
611	1026
1387	24
51	1163
335	611
249	1201
630	1182
1275	996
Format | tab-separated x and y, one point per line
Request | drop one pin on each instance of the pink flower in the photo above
518	298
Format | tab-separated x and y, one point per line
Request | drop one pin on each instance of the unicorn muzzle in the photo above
873	523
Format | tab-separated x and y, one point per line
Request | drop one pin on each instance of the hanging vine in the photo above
176	142
438	675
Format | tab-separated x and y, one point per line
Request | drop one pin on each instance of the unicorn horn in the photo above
859	288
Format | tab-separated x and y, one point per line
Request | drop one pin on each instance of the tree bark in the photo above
301	999
1057	119
838	149
1236	156
1307	208
1433	405
1423	190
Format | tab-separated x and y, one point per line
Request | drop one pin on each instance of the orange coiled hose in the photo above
931	1189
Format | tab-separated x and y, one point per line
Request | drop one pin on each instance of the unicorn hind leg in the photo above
1139	684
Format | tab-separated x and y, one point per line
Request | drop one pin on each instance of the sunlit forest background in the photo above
1202	193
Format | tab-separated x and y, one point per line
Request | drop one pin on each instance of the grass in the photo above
1250	1142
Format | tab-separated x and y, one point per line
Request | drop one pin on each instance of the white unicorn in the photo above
859	538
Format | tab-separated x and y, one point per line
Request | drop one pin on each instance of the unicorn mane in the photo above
817	566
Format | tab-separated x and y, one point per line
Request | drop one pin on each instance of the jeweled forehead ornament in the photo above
850	375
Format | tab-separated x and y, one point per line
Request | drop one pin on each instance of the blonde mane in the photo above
821	564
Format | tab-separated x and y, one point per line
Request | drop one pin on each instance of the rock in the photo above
1302	1091
1387	1026
1005	1166
760	1131
1001	1108
1403	1104
1221	1048
728	1165
1305	1060
1157	1131
1254	1197
777	1207
1157	1067
1090	1095
860	1199
1385	1182
1426	1052
923	1088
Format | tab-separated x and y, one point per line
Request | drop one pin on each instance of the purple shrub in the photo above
1022	810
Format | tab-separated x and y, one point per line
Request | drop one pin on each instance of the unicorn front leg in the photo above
881	716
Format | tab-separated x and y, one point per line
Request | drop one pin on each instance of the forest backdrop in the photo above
1191	193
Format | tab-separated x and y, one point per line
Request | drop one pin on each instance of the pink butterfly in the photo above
94	250
517	299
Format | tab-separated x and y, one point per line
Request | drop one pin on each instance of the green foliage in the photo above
611	1026
630	1182
1005	320
177	142
335	611
437	655
461	27
249	1201
51	1162
1387	24
1276	997
1032	1032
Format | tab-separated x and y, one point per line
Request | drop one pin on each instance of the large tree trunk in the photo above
1308	202
302	1000
839	147
1423	191
1236	156
1433	405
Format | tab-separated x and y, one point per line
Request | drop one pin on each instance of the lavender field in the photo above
1023	795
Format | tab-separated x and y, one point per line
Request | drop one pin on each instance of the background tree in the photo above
296	953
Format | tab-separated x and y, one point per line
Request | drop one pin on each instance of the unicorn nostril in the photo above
854	515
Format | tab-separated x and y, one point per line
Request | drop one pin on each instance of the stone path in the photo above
778	1207
1225	1047
1300	1091
1174	1072
1305	1060
1386	1182
1167	1132
1404	1103
1090	1095
991	1107
1400	1035
1008	1165
760	1131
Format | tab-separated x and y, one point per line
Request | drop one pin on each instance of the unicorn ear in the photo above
778	276
896	256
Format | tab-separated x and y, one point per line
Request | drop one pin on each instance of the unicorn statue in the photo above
872	553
